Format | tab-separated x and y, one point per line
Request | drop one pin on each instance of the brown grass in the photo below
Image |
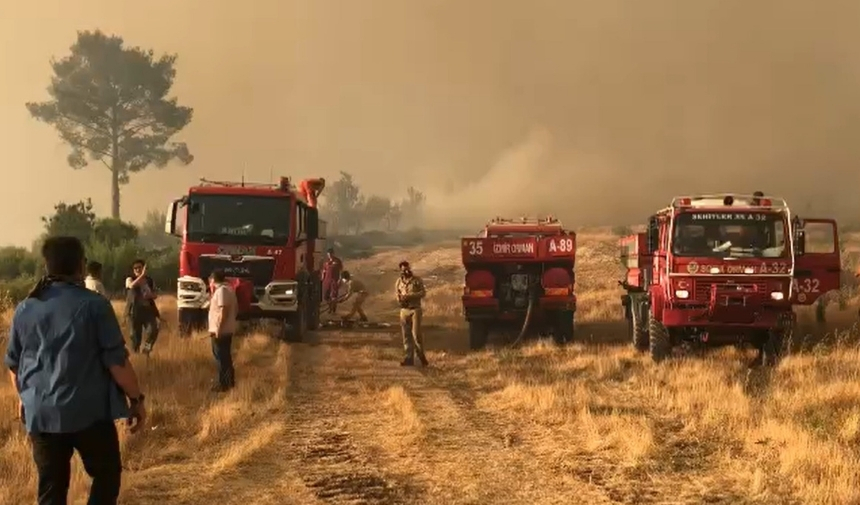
338	421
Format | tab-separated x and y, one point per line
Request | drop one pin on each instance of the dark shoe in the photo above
362	319
407	362
423	359
219	388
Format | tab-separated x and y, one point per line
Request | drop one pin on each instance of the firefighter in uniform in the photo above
354	287
311	189
330	280
410	291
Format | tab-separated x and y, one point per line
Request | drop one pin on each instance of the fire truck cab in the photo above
266	238
725	269
519	271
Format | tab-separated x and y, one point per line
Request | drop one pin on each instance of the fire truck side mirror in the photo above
799	242
170	218
653	234
312	223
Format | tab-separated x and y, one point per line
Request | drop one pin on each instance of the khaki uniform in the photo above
410	292
356	287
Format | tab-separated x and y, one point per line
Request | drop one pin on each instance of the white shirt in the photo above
223	298
96	285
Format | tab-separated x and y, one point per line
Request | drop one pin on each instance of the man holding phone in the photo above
68	361
141	310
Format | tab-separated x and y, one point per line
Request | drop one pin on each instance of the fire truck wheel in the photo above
659	340
478	334
295	327
562	331
774	347
639	332
190	320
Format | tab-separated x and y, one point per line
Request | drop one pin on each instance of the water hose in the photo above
529	309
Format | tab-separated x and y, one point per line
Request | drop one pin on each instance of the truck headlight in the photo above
191	286
777	295
682	293
281	291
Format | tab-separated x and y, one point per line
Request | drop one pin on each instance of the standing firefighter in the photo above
354	287
331	280
311	189
140	307
410	292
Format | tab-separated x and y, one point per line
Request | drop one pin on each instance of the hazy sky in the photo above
597	111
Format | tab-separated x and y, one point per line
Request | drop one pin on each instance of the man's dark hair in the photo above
344	275
94	268
63	256
403	263
330	250
218	275
138	261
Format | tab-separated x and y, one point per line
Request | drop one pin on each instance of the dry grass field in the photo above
336	420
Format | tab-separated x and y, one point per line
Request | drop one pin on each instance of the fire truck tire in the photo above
777	339
639	331
479	331
563	327
659	340
296	326
190	320
315	305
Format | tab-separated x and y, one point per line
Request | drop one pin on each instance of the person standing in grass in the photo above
331	280
93	282
140	307
410	291
68	362
223	309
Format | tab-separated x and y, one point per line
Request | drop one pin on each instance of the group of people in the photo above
409	290
68	360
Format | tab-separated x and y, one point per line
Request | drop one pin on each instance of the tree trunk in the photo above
114	191
115	166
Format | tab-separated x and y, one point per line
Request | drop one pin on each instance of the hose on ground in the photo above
526	322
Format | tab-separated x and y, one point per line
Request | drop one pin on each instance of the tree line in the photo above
349	211
112	242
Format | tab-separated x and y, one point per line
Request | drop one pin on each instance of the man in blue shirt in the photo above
68	362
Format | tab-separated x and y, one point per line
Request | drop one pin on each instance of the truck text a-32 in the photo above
725	269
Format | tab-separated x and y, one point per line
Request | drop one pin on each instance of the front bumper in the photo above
276	298
759	317
489	308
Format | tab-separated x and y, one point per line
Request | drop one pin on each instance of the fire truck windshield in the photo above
732	234
238	219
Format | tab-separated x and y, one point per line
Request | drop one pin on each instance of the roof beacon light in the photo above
728	201
685	202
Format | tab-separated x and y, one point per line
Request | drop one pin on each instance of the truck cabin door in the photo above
817	264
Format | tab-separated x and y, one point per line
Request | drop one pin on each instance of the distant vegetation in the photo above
112	242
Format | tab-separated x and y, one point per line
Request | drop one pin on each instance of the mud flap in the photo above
818	266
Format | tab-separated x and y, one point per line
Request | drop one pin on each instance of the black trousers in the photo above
141	324
222	349
98	448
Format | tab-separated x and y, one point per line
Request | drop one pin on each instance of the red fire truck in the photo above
268	240
725	269
519	271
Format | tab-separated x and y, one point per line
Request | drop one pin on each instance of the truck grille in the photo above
259	271
758	288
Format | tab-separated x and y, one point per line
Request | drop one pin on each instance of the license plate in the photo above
520	282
